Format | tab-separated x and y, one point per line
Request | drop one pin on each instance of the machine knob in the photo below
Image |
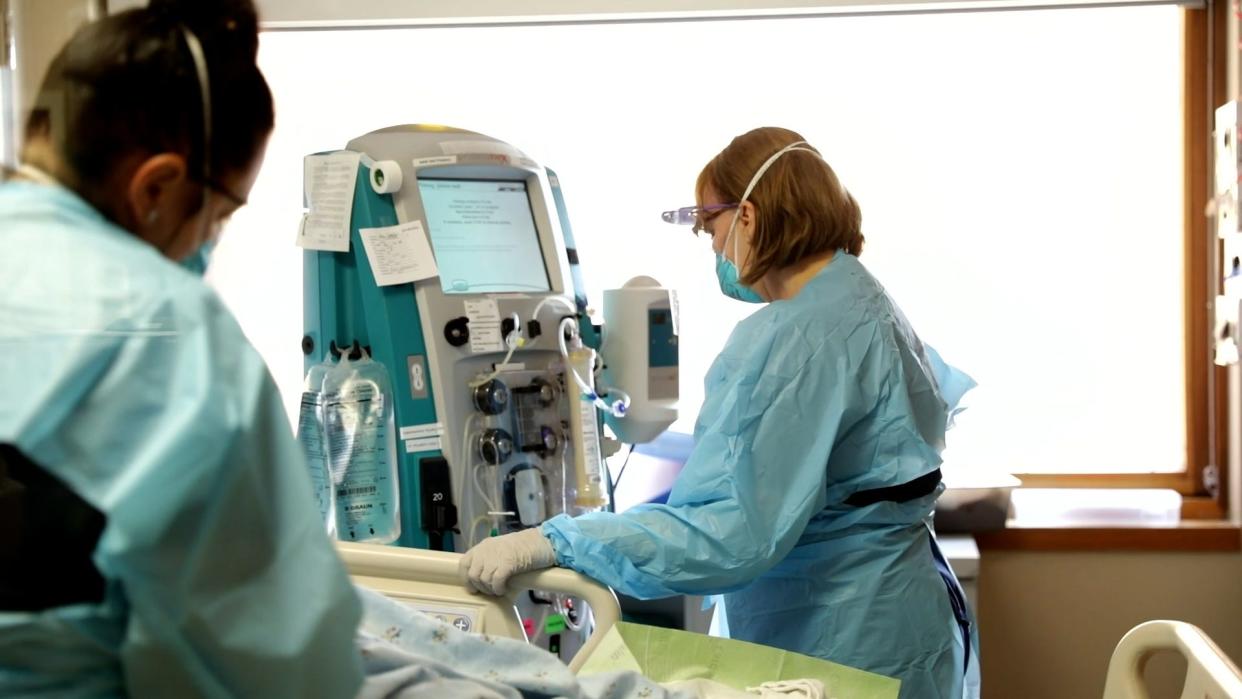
495	446
492	397
457	331
547	392
549	440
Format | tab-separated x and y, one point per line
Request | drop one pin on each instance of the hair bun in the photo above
213	21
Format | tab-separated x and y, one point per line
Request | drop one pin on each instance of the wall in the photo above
40	28
1050	620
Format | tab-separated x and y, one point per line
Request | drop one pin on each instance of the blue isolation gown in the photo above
124	377
812	400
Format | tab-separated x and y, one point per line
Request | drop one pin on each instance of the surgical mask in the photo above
727	273
199	259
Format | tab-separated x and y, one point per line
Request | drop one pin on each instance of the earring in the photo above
152	216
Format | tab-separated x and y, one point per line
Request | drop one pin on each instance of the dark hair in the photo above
128	84
802	208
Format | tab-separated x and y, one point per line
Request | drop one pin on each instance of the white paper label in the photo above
328	182
433	429
435	160
413	446
482	311
399	254
485	337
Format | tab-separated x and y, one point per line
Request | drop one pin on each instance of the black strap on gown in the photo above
47	536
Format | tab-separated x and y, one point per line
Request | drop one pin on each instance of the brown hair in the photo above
802	209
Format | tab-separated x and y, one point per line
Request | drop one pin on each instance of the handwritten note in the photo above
399	254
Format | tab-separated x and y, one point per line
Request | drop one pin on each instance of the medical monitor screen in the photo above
484	237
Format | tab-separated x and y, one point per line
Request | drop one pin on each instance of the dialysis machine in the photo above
500	384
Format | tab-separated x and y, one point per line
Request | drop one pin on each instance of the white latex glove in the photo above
488	566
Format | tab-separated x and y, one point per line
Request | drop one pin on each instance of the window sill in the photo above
1184	536
1111	520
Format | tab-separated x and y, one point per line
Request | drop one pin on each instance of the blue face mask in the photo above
198	260
726	274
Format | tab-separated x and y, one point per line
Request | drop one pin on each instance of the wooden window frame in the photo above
1204	73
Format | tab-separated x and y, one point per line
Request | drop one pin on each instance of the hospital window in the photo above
1020	174
7	137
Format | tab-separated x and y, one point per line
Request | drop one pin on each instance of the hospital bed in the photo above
428	581
1210	674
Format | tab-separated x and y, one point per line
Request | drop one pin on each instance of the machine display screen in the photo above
484	237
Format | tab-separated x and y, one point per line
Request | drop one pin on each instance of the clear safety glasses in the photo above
696	216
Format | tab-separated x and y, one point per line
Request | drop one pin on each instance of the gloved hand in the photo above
488	566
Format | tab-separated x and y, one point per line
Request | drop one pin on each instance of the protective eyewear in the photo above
221	190
697	216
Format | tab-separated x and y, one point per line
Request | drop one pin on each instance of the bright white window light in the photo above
1019	175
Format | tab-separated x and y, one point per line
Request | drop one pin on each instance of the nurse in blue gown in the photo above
158	535
804	504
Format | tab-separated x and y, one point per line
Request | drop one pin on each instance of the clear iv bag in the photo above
311	437
360	437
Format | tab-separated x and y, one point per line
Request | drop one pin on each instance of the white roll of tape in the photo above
386	177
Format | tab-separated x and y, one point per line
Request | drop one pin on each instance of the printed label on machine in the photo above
413	446
435	160
431	429
484	315
482	311
480	148
485	337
